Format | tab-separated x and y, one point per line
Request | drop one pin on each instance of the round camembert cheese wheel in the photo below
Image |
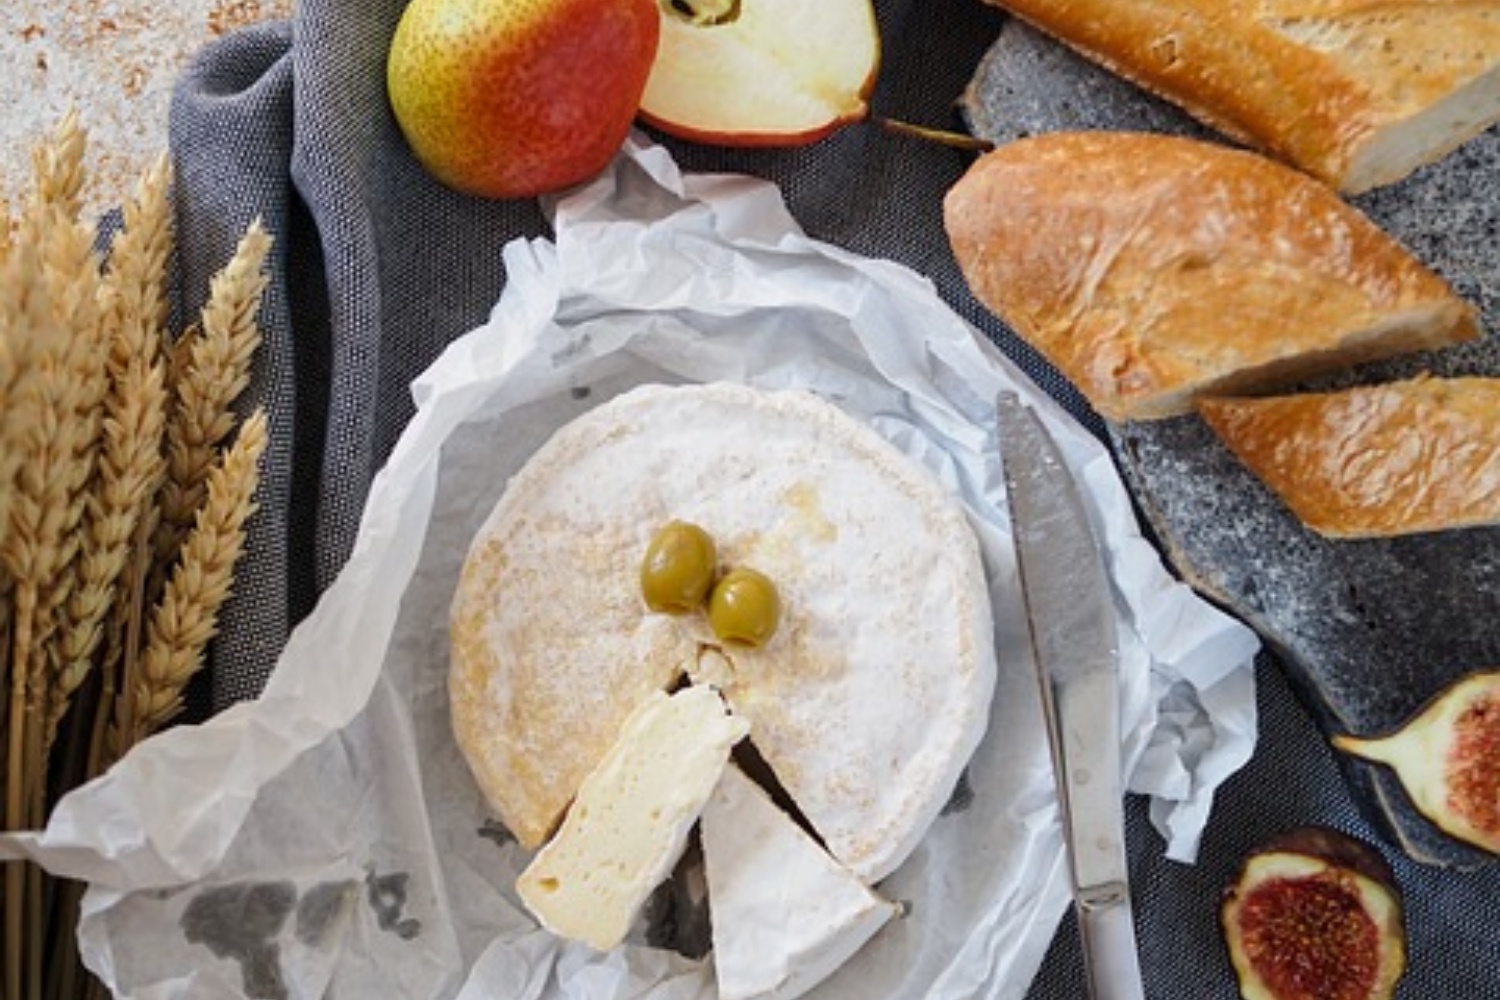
866	703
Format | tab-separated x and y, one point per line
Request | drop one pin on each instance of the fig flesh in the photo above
1315	915
1447	758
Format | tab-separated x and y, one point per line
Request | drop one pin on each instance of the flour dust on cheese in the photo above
868	700
630	821
785	914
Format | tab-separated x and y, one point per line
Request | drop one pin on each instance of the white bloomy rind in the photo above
868	700
785	914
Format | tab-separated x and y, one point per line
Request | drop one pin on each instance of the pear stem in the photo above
943	137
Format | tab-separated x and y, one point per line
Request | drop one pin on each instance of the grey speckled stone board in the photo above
1367	631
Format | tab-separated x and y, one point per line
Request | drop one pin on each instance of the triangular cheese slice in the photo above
785	914
630	821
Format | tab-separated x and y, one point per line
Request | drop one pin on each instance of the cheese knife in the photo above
1071	617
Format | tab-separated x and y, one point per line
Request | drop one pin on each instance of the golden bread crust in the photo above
1355	92
1152	269
1405	457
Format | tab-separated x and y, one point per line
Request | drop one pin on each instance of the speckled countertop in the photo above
116	62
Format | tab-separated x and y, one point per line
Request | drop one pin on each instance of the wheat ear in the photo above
60	427
68	461
58	303
18	346
212	365
187	617
130	460
58	167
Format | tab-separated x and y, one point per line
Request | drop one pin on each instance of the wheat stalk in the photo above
18	346
187	617
58	309
58	167
65	557
208	368
212	364
59	428
130	459
58	462
94	397
27	326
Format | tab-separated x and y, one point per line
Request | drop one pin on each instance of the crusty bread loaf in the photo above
1153	269
1401	458
1355	92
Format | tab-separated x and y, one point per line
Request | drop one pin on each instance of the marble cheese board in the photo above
1366	631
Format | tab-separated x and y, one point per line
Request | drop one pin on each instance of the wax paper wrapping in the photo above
327	838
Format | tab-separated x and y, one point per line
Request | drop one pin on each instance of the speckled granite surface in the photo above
1369	630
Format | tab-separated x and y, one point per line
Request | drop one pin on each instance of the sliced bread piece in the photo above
1153	269
1401	458
1358	94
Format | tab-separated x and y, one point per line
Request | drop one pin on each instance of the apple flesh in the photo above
761	72
515	98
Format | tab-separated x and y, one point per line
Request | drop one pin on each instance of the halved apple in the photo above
761	72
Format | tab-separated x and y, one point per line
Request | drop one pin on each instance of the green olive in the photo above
678	568
744	608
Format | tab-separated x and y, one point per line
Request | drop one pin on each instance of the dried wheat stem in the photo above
187	617
25	314
130	460
130	470
213	363
120	669
69	460
33	549
57	454
19	271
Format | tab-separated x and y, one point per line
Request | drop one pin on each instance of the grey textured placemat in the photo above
377	268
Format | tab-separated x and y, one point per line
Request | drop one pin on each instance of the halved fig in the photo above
1315	915
1447	757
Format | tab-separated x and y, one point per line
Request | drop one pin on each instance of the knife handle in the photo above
1111	960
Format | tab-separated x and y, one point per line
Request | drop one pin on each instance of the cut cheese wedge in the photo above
785	914
630	822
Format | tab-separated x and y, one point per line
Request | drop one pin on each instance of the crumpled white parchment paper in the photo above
327	840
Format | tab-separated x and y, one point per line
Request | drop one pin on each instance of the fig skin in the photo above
1447	758
1315	915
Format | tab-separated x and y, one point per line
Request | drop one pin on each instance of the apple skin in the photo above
776	73
516	98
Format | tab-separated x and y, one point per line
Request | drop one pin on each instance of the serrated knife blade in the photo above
1070	611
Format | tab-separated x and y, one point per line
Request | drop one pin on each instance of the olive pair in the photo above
679	574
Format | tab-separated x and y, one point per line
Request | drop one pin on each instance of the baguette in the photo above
1357	93
1152	269
1401	458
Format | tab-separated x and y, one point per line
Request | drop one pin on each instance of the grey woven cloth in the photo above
377	268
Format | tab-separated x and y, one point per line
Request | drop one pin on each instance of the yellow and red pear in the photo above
515	98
